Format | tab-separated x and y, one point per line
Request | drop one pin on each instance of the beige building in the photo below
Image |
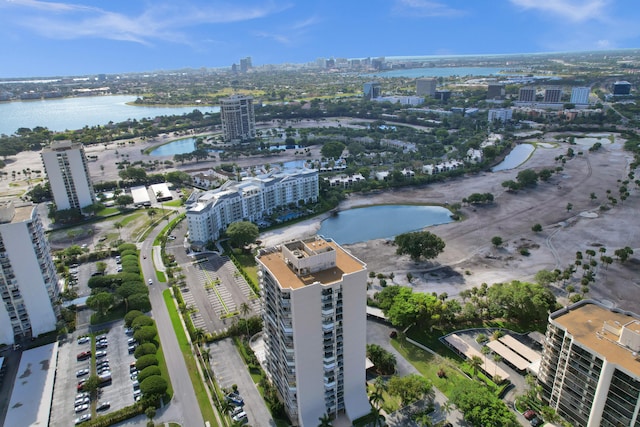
590	369
315	329
238	119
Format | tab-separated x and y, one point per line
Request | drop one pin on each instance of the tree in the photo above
481	407
475	362
150	412
146	361
496	241
332	149
409	388
536	228
101	302
148	371
142	321
527	178
244	310
419	244
154	384
383	360
139	302
145	334
242	233
123	200
145	348
325	421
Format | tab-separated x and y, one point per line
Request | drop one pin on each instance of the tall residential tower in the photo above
238	118
590	369
315	329
66	167
28	281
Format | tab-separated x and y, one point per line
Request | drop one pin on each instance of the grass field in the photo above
198	385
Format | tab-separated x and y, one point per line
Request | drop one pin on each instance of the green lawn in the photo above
198	386
161	276
174	203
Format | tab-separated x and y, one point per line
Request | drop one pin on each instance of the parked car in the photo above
81	408
235	398
82	373
100	353
529	414
82	419
129	331
81	395
84	355
83	340
242	416
102	344
536	422
132	367
131	349
103	406
81	401
236	411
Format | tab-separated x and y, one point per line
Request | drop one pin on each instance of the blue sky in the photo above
50	38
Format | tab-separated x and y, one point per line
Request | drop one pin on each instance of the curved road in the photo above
184	404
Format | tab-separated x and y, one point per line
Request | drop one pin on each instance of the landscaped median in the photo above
185	347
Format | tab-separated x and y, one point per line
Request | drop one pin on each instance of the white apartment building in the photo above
28	281
501	114
238	118
580	95
66	167
314	317
248	200
590	368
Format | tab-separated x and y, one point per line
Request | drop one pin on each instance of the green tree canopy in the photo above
154	384
145	361
527	178
481	407
419	244
101	302
145	334
131	316
148	371
384	361
523	301
142	321
332	149
242	233
139	302
409	388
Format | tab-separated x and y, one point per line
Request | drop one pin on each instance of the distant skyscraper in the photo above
621	88
371	90
66	167
527	94
495	91
314	318
580	95
426	87
590	368
552	96
238	119
245	64
28	281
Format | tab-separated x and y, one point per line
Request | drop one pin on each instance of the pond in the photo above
381	222
179	146
515	158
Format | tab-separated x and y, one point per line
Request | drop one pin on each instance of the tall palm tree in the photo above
225	406
245	309
475	363
206	354
376	397
325	421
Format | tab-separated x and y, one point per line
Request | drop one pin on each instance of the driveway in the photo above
229	368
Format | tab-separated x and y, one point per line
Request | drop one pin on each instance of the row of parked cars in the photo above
237	414
82	401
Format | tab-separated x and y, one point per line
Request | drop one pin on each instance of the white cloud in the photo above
424	9
160	21
574	10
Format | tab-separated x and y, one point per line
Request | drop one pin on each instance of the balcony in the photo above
327	326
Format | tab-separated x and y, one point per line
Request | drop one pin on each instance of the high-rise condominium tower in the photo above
315	328
238	119
66	167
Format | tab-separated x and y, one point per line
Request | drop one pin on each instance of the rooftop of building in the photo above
275	261
62	145
10	212
598	328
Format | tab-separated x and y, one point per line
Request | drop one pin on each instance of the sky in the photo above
41	38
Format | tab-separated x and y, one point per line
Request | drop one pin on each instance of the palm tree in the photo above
447	407
376	397
475	362
378	418
325	421
198	335
225	406
245	309
206	354
118	226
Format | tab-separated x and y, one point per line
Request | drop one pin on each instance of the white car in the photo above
239	417
82	419
83	407
150	282
82	373
83	340
101	353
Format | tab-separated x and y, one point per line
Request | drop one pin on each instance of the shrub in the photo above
145	334
146	361
141	321
146	348
154	384
148	371
131	316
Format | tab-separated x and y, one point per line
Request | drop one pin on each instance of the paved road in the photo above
184	397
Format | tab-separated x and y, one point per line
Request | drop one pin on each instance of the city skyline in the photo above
44	38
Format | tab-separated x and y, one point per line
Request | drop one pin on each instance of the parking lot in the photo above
119	392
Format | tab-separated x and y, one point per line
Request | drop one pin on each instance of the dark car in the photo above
84	355
529	414
536	422
235	398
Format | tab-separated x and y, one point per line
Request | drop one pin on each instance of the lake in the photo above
76	113
439	72
381	222
515	158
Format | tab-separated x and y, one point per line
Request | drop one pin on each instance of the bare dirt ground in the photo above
469	258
